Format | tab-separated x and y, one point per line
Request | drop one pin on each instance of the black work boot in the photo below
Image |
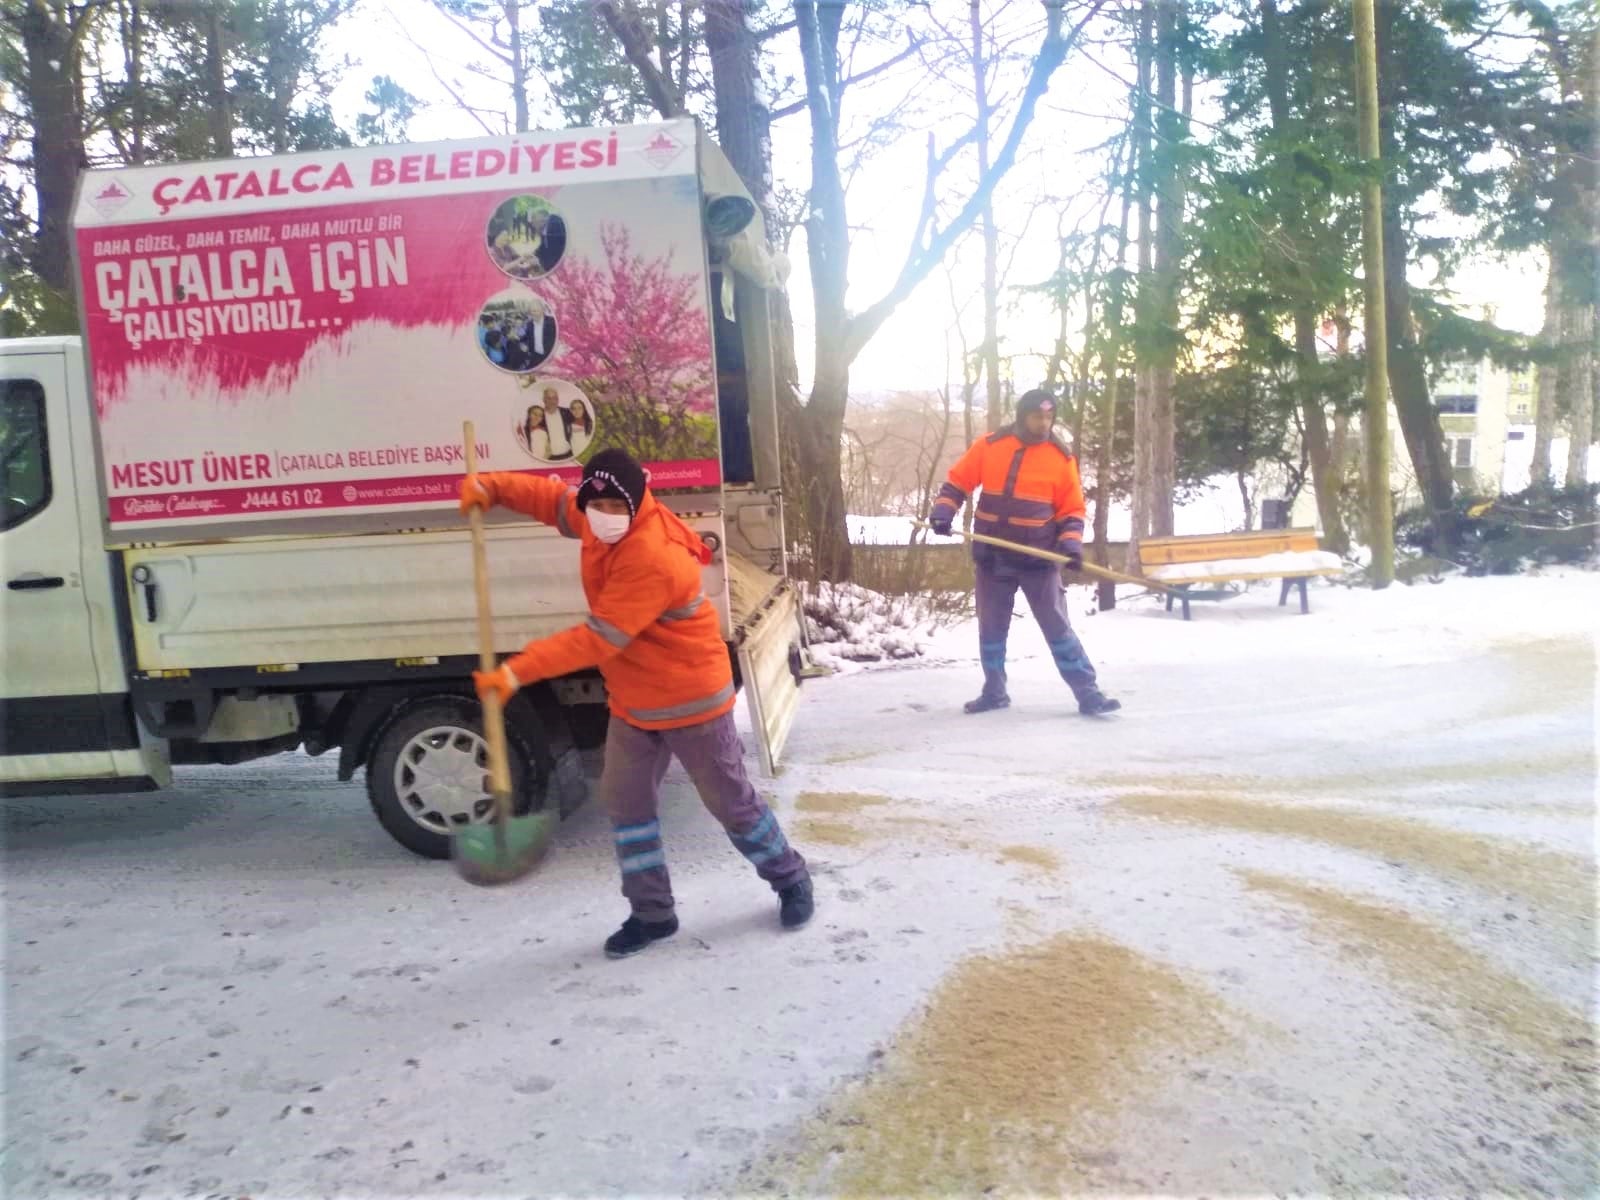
796	904
636	935
987	703
994	694
1092	702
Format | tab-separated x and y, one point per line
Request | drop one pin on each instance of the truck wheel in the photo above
428	774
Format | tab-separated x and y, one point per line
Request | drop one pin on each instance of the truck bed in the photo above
285	603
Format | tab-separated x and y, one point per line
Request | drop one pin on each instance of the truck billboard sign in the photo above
303	335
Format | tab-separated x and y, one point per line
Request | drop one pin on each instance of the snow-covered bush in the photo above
849	623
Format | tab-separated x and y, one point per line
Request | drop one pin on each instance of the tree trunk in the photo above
1145	305
1307	367
1576	366
1168	254
1408	383
1379	511
282	72
517	52
1105	451
58	150
744	122
1325	471
133	63
1249	501
219	109
828	251
821	448
991	236
1546	410
1408	376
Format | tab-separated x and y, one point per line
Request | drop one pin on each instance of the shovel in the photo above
1087	568
509	846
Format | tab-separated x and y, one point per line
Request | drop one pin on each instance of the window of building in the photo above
1516	435
1457	404
1461	452
24	453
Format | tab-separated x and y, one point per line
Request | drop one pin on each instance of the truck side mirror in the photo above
726	216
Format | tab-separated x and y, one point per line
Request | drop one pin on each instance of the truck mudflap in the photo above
772	663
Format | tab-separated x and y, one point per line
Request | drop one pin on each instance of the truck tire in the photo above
423	767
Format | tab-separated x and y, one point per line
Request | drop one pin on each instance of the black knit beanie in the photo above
1034	401
615	475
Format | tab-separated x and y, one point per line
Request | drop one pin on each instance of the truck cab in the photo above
66	711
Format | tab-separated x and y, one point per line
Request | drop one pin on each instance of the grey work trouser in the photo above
996	595
637	759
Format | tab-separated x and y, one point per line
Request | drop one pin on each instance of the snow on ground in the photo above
1313	914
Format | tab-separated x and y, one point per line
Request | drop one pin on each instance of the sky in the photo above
919	348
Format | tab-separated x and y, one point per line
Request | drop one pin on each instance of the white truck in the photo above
229	527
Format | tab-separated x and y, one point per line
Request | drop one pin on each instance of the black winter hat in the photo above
616	475
1036	401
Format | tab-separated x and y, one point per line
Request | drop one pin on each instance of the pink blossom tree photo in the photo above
635	337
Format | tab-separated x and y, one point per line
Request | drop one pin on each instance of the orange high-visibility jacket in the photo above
1031	493
655	637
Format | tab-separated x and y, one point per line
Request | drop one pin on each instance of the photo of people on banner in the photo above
554	421
516	331
526	237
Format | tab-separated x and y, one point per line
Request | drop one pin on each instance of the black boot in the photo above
635	935
1095	703
796	904
994	694
988	703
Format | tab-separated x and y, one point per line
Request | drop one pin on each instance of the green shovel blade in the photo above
484	857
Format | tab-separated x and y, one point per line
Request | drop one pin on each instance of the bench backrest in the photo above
1221	547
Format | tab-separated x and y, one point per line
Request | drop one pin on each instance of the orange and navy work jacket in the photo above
1031	495
651	631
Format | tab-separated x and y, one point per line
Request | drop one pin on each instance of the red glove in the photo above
476	492
501	682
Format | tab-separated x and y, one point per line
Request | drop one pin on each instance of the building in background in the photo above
1484	411
1487	415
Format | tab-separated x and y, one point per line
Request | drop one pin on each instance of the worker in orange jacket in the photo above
1031	495
658	643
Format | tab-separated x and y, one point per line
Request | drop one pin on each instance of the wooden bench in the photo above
1180	563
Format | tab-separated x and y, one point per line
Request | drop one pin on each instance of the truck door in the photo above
55	725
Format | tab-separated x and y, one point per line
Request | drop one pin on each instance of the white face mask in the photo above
608	527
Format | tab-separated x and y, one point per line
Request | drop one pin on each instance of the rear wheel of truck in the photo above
428	774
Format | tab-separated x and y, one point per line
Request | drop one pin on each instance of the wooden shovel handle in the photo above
494	720
1087	568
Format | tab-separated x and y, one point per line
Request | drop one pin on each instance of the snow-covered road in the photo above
1315	913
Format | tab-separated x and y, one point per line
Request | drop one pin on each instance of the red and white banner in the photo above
296	336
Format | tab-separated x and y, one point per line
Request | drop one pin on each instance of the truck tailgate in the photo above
344	599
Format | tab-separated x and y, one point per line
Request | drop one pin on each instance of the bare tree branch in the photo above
461	101
789	110
494	49
920	260
766	35
628	28
799	106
